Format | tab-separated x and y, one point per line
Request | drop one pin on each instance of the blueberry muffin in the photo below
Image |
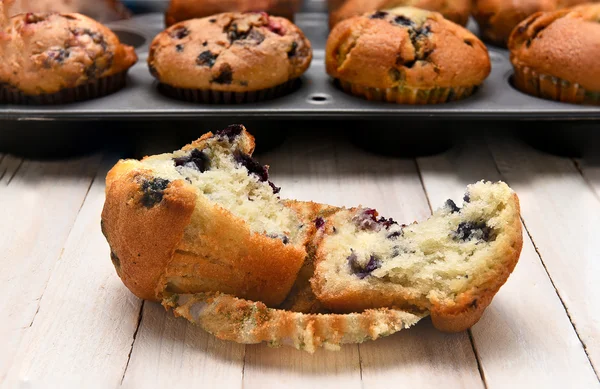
451	265
203	219
406	55
250	322
555	55
457	11
497	18
180	10
60	58
100	10
229	58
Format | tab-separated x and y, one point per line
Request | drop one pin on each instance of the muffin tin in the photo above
316	97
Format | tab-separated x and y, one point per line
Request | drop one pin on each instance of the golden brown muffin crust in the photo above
457	11
45	53
231	52
498	18
409	47
180	10
100	10
563	44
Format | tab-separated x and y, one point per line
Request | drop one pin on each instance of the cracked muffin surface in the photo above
498	18
46	53
457	11
407	49
554	54
230	52
180	10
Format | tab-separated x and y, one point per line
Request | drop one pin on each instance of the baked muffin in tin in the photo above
407	56
497	18
457	11
60	58
555	55
230	58
180	10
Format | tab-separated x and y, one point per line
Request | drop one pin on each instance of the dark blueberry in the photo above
206	58
153	191
31	18
319	222
468	42
467	198
213	20
153	71
293	50
230	132
205	43
233	34
403	21
451	205
367	220
373	264
387	223
179	48
474	303
225	75
196	160
378	15
255	36
56	55
253	166
410	64
180	32
276	189
473	230
394	235
92	70
283	238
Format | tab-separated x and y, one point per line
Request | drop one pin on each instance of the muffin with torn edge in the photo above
230	58
60	58
555	55
457	11
451	265
407	56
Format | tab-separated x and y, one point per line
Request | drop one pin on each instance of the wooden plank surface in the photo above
562	214
516	347
39	206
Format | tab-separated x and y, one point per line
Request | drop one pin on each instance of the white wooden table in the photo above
68	321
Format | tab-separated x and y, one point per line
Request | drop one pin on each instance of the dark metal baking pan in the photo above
317	96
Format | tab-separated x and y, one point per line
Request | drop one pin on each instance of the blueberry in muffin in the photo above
230	58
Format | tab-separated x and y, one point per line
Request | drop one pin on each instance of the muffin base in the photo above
207	96
549	87
408	95
91	90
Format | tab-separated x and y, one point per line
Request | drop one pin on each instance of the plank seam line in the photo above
587	182
476	353
423	185
360	364
62	251
137	328
15	172
561	300
244	364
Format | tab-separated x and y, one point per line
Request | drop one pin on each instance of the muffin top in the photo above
180	10
406	47
497	18
563	44
457	11
230	52
46	53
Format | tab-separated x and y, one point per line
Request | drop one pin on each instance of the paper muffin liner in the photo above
552	88
408	95
207	96
97	88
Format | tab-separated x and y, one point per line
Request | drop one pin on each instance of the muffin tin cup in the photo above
407	95
207	96
549	87
98	88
